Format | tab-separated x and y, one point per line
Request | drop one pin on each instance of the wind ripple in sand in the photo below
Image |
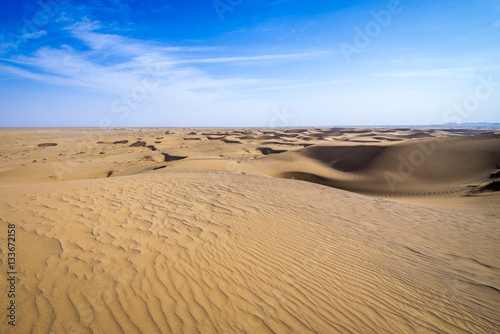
190	252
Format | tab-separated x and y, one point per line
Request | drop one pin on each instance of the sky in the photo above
248	63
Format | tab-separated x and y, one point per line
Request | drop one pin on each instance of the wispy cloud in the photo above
37	34
114	63
495	25
303	85
251	58
427	73
23	38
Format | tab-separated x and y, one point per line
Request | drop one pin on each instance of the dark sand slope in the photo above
411	167
218	252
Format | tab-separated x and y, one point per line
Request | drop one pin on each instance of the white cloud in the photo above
494	26
4	47
249	58
115	64
426	73
37	34
85	25
303	85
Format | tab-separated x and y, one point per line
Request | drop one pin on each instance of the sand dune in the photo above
216	237
411	167
220	252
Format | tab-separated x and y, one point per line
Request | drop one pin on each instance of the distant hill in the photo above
469	125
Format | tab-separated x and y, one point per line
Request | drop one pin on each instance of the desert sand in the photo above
317	230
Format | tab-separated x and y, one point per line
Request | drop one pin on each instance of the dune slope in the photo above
216	252
410	167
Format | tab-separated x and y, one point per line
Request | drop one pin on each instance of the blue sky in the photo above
235	63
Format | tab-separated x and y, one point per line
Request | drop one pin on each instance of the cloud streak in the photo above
114	63
427	73
250	58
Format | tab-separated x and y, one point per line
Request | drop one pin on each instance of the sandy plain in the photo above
317	230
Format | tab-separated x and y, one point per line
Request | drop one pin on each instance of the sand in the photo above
341	230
